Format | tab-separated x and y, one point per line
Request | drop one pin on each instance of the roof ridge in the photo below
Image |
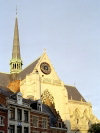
70	85
5	73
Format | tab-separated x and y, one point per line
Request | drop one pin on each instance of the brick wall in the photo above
39	128
2	99
5	119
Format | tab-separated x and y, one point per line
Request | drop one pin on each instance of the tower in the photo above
16	62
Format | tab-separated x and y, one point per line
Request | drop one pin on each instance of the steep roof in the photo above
16	47
28	70
6	91
53	118
73	94
4	79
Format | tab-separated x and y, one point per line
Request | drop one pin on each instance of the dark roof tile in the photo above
28	69
4	79
73	94
6	91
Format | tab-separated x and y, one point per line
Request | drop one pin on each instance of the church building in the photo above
39	81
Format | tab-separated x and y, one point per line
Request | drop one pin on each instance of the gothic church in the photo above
39	81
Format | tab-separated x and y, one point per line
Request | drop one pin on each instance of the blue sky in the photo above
68	29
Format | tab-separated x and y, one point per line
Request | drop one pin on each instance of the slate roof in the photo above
74	94
4	79
6	92
28	70
53	119
16	47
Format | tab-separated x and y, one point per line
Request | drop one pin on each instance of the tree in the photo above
95	128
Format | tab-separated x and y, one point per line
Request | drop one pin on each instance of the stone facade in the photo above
18	115
77	115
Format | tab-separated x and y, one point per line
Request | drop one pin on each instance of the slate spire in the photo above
16	62
16	47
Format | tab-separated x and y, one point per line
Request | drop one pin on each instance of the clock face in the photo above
45	68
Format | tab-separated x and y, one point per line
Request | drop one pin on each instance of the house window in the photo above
11	129
12	113
19	114
25	116
1	121
26	130
19	129
44	122
35	121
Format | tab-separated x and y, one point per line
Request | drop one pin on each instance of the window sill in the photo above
26	121
12	119
2	125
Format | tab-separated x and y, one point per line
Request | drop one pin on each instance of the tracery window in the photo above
47	98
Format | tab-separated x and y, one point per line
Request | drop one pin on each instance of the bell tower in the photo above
16	62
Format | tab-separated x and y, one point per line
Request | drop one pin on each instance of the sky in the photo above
69	30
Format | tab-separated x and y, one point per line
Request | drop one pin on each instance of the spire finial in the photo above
44	50
16	10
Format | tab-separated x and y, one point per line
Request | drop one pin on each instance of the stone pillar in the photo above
15	114
15	128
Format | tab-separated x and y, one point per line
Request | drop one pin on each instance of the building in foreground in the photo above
18	115
40	81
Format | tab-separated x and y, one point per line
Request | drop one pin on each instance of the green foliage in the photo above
95	128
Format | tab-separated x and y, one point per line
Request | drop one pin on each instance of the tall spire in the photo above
16	62
16	47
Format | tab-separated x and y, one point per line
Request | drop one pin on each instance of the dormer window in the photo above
19	98
39	105
60	124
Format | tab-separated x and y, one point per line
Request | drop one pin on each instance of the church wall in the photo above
77	114
32	86
80	115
